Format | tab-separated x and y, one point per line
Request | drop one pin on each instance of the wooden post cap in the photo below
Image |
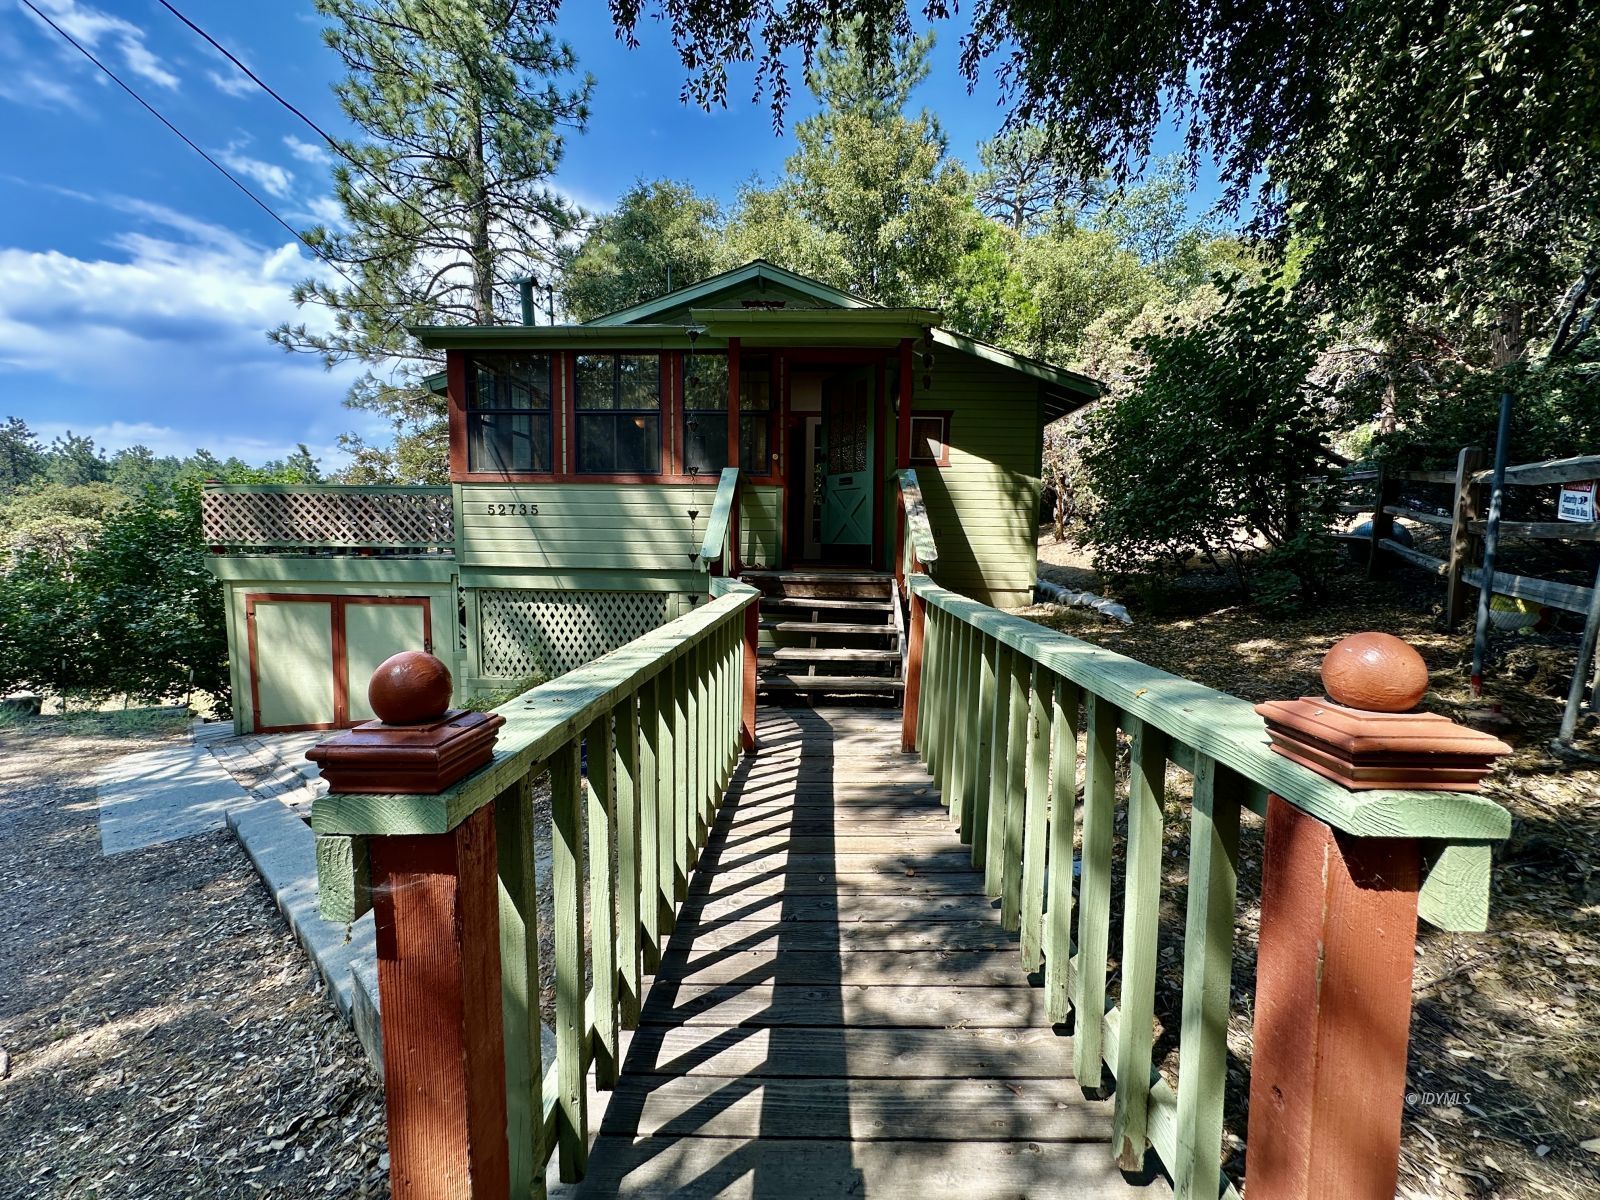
1375	672
419	744
410	688
1364	736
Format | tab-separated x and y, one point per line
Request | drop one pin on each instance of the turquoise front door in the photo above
847	474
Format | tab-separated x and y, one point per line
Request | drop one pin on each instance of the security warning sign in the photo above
1577	501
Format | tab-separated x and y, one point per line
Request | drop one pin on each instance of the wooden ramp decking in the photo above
839	1012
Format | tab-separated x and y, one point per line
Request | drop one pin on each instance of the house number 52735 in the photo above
512	510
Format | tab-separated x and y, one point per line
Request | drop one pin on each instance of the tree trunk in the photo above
482	249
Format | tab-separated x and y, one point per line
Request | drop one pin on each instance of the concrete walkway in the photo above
162	795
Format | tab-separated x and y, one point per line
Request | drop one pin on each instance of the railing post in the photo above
1463	510
913	692
752	637
1333	1010
435	905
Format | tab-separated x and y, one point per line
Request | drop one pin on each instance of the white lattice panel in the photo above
527	631
329	516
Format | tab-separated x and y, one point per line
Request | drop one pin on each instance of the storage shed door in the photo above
373	630
311	657
291	662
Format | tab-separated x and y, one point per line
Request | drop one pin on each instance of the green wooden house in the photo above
585	462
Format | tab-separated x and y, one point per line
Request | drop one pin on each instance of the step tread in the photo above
825	602
819	576
830	683
827	654
823	628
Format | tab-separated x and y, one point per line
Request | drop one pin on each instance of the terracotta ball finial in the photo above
1375	672
409	688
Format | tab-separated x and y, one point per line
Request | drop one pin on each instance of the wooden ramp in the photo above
839	1012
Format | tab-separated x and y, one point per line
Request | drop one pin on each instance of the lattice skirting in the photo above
526	631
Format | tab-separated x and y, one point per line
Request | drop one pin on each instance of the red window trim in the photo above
564	417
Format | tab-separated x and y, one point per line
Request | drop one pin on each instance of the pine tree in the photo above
462	107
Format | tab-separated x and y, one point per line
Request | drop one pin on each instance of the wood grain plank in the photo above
935	1006
974	968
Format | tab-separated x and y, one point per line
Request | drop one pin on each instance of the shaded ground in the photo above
161	1032
1504	1071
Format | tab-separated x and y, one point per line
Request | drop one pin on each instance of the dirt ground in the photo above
161	1032
1504	1071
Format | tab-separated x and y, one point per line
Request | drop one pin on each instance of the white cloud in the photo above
324	210
306	152
160	339
233	81
97	29
278	181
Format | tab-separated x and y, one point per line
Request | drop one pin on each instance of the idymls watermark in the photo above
1425	1099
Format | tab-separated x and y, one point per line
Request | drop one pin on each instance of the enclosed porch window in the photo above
757	384
705	413
618	414
508	413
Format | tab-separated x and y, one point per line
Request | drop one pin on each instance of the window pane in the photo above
639	381
520	381
705	442
638	441
595	376
755	385
597	442
927	438
705	382
755	443
508	442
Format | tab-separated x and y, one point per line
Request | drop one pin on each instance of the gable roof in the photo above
829	315
757	270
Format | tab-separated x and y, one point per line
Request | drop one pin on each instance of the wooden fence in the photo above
1463	523
1345	878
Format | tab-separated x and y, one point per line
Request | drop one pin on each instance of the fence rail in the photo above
327	517
998	727
473	1111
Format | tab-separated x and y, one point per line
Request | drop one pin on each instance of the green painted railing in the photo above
719	552
255	517
1001	700
917	551
473	1111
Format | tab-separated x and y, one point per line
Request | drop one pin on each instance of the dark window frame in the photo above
579	415
475	412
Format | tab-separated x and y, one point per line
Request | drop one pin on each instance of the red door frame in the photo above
341	658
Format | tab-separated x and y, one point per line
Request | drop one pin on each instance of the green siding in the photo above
984	506
604	527
372	633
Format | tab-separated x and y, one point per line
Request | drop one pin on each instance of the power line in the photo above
222	170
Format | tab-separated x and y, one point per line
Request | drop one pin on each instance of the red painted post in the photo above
908	711
435	902
902	441
1333	1011
747	714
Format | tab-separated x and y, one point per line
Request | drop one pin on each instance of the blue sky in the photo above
136	284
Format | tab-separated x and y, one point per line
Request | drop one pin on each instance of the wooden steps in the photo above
829	633
837	685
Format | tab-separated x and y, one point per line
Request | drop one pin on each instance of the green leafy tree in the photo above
662	235
143	583
1022	181
869	201
55	520
445	195
21	455
1210	449
74	460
